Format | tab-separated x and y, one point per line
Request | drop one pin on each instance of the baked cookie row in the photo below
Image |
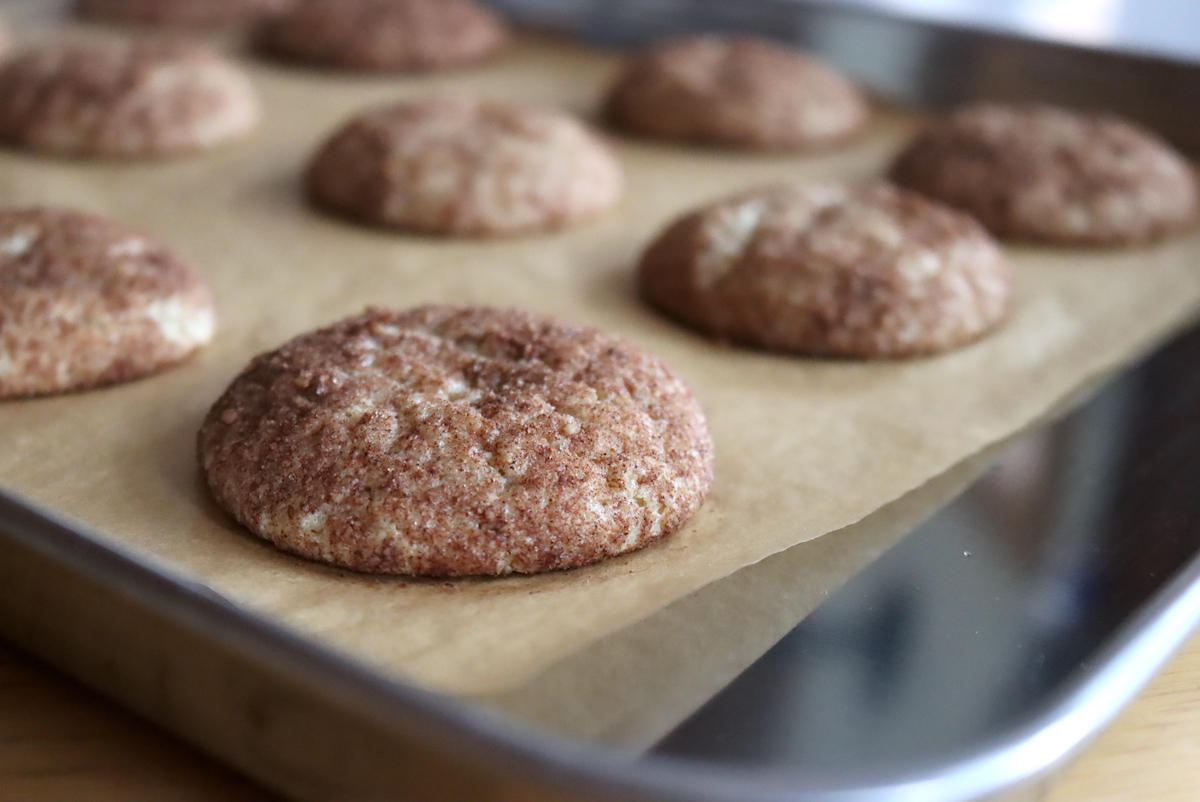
444	441
360	35
1028	174
472	440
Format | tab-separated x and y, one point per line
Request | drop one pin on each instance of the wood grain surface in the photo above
1150	753
59	741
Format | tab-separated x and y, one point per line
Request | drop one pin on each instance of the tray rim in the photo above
1027	753
472	735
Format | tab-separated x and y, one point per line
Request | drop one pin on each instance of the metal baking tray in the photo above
1074	560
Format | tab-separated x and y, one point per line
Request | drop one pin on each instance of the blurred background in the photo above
1164	27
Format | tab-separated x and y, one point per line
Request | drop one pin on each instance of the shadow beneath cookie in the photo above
228	546
178	465
617	285
730	153
242	544
286	193
616	289
284	190
172	458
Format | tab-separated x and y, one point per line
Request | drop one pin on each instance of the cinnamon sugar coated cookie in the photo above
1043	174
832	270
465	167
179	13
85	301
739	92
454	441
384	35
123	100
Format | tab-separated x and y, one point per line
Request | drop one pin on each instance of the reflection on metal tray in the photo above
994	609
974	658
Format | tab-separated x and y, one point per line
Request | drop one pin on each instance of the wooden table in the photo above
60	742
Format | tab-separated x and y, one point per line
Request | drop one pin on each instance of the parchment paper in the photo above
803	447
631	688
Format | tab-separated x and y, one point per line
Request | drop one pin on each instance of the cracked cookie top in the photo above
85	301
830	270
1042	174
460	166
735	92
453	441
129	100
384	35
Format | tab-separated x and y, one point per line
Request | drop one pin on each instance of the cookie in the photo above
85	301
123	100
463	167
456	441
831	270
1042	174
384	35
179	13
739	92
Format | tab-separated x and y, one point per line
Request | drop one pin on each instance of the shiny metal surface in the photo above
1090	543
991	610
1145	542
1160	27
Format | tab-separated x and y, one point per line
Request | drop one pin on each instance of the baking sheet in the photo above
631	688
804	447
